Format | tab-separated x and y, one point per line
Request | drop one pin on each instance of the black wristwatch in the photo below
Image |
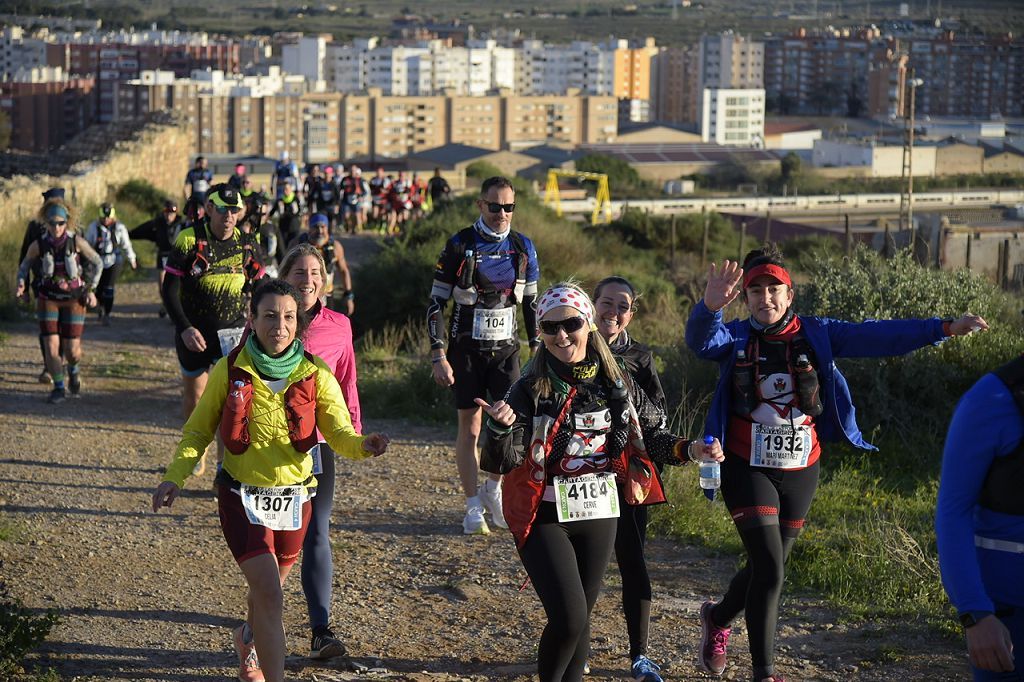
971	618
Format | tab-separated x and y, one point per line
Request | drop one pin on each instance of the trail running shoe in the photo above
248	661
491	500
44	377
325	645
713	641
645	670
57	396
474	523
74	384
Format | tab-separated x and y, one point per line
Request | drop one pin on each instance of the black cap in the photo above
223	194
53	193
107	209
170	205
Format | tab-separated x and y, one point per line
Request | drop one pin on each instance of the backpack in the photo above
1001	489
251	266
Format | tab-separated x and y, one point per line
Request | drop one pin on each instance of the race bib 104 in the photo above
780	446
586	497
274	508
493	325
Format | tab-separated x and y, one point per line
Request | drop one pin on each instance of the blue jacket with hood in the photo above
712	339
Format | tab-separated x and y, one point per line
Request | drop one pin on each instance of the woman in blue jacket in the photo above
779	395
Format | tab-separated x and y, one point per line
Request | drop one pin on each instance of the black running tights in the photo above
566	563
768	507
636	582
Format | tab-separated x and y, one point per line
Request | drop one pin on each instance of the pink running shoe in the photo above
248	662
713	641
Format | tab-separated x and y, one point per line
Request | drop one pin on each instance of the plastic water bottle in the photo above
710	473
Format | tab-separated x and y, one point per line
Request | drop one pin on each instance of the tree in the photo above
791	166
619	172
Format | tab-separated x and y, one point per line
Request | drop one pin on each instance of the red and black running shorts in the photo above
66	318
247	540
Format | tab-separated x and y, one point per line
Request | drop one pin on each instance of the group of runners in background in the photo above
573	445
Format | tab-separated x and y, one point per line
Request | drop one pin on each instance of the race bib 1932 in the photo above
780	446
590	496
275	508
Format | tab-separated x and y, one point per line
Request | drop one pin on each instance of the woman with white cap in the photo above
574	431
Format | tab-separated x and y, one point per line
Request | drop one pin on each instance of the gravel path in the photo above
146	596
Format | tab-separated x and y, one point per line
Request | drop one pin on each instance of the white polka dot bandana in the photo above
557	297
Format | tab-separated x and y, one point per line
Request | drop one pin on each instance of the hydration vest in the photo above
486	294
1001	491
299	407
67	258
201	266
105	239
802	363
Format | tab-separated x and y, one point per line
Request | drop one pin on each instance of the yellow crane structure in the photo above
603	200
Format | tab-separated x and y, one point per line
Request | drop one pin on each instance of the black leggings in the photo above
105	288
636	582
566	563
768	507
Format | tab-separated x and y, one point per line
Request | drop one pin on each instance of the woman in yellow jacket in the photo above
267	398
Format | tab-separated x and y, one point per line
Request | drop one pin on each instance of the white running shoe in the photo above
474	523
490	495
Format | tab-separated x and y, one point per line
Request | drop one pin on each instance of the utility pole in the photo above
907	194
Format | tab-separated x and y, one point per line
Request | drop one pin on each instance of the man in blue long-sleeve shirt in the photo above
980	523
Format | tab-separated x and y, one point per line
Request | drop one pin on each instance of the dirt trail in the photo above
154	597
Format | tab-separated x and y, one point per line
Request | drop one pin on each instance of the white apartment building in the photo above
19	52
732	116
214	83
426	69
307	58
546	69
730	61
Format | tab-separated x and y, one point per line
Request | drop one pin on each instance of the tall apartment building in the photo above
732	116
546	69
967	77
728	60
46	107
822	73
249	116
307	58
676	75
19	52
632	78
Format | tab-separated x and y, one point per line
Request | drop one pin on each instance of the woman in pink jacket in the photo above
329	336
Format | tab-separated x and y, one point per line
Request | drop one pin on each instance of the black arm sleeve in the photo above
169	292
659	440
503	449
435	321
530	320
646	376
144	231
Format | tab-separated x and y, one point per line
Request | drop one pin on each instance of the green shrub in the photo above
20	632
142	195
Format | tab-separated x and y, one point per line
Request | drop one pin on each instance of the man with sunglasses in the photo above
206	278
488	269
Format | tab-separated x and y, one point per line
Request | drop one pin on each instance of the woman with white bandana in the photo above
576	440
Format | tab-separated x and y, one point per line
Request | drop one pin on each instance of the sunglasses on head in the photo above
495	207
569	324
227	209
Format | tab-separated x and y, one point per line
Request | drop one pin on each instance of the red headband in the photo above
776	272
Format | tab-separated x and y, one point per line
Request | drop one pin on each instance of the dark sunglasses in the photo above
57	223
569	324
227	209
494	208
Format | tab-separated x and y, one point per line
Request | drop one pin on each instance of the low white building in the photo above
733	117
878	160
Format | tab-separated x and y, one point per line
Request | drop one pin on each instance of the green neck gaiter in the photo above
271	367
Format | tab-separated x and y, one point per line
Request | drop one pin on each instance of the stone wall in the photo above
159	154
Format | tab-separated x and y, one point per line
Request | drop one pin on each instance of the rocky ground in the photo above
145	596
